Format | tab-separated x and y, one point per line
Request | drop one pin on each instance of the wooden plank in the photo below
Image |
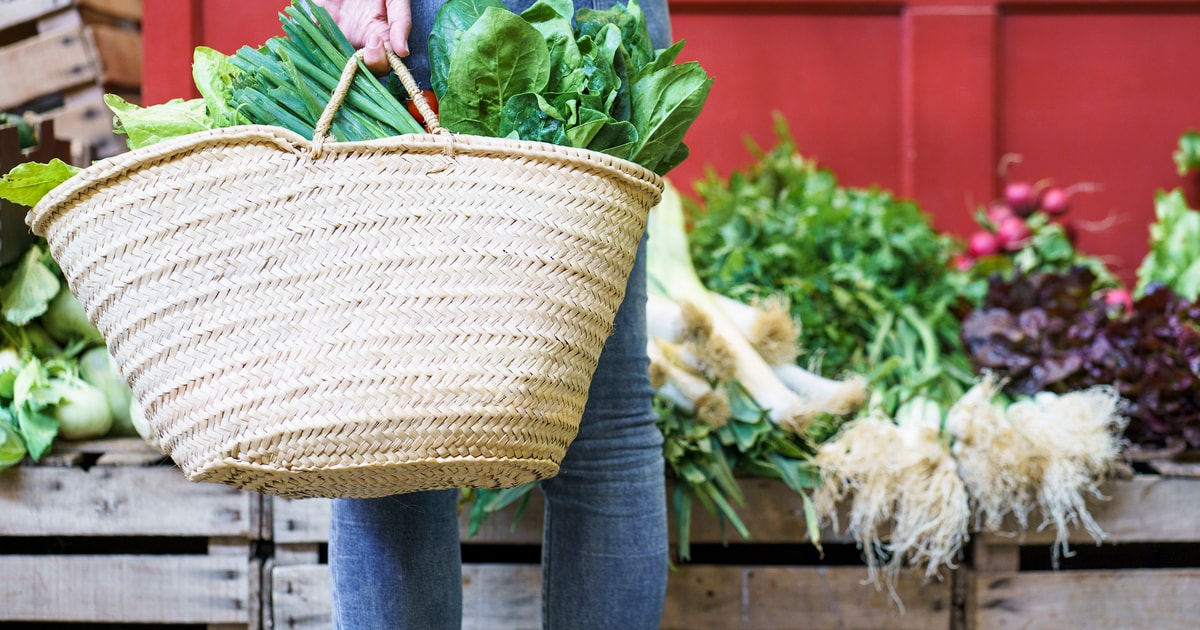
122	9
499	597
48	63
720	597
773	513
1147	508
495	597
125	588
88	121
116	501
19	11
120	51
1129	598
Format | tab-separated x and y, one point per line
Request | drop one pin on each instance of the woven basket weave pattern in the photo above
391	316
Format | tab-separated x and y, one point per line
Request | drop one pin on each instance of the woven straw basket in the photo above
354	319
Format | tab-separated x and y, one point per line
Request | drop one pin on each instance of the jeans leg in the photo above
395	562
604	552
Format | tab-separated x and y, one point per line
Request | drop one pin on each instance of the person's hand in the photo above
373	24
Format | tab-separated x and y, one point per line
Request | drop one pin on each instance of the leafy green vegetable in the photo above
1187	156
453	19
28	293
1174	257
499	57
12	447
28	182
144	126
865	273
213	74
598	85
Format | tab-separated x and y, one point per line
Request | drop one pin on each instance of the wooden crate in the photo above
105	532
1155	517
57	67
498	596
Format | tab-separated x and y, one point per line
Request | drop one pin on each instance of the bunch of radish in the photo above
1008	224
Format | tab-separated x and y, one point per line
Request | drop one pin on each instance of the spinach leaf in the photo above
629	20
616	138
500	56
665	103
584	126
453	19
548	17
528	116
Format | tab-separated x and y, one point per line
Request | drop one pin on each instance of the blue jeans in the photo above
395	562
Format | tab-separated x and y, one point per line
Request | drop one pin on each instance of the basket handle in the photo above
343	87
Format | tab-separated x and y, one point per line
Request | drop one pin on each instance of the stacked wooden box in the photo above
106	532
725	590
59	57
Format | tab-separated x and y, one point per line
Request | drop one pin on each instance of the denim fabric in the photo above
396	563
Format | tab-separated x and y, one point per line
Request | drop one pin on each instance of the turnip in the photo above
82	410
97	368
66	321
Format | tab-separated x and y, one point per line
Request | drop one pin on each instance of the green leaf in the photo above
586	125
500	56
530	117
38	429
12	447
812	522
548	17
27	183
665	104
630	22
28	292
454	18
1174	257
1187	156
214	74
616	138
145	126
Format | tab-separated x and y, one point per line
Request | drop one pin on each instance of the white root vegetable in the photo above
686	390
897	474
672	275
1047	453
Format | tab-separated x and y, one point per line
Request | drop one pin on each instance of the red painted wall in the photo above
922	97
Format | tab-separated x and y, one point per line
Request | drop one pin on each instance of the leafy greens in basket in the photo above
596	84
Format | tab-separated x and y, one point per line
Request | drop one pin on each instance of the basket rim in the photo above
104	171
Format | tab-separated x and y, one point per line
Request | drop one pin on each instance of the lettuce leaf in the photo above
145	126
28	292
28	182
1174	257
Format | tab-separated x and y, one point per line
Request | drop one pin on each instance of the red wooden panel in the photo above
833	76
949	111
1102	97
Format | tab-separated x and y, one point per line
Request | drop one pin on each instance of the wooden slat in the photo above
119	501
19	11
1147	508
1096	600
495	597
125	588
87	120
499	597
123	9
720	597
120	51
48	63
773	513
